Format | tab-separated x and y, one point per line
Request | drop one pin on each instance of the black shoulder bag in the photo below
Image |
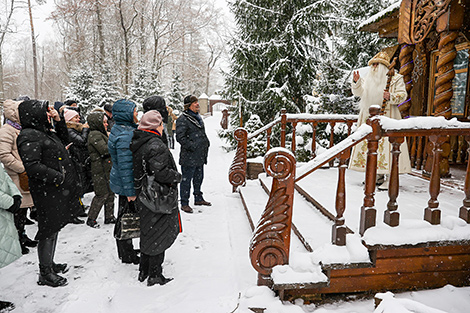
158	198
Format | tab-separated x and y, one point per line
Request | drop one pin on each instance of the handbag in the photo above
24	182
158	198
127	226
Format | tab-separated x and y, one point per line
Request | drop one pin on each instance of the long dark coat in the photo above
99	155
52	176
157	231
193	139
78	136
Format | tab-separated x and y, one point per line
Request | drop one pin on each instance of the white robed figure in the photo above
371	89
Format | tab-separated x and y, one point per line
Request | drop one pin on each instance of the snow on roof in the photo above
203	96
376	17
215	97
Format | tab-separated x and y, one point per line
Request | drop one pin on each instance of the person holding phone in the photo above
52	181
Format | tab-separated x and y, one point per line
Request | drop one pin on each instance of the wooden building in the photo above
433	52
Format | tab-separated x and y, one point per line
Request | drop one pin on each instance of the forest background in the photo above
284	53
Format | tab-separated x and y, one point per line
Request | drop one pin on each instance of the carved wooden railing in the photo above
237	172
271	240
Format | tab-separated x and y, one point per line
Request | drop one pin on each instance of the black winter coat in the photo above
193	139
99	155
52	176
78	136
157	231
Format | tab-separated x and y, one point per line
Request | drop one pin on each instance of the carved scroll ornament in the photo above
424	14
237	173
270	243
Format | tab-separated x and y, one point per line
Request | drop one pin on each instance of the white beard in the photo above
374	85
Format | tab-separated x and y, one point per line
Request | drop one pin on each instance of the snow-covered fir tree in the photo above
274	54
107	88
176	95
81	88
145	84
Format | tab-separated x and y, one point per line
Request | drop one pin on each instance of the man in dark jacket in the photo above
191	135
52	181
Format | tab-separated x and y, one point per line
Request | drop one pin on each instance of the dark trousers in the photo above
98	201
196	175
20	222
46	250
125	248
152	264
171	140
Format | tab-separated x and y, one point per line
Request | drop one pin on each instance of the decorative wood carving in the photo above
406	69
368	212
424	15
283	127
270	243
237	173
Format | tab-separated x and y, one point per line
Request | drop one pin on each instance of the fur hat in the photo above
150	120
69	114
188	100
381	57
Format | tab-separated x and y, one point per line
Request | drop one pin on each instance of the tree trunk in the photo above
35	61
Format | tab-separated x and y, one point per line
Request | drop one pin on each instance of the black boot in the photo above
47	277
27	241
142	276
60	268
33	213
161	280
24	250
6	306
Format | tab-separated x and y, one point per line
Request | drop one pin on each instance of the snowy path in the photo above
209	263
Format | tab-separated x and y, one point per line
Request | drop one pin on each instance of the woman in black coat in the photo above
52	180
157	231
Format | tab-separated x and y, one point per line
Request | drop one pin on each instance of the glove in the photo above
16	204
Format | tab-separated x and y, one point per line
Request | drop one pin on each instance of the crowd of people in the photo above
46	149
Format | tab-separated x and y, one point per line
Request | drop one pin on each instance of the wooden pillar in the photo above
268	143
368	211
465	208
391	215
432	213
339	228
270	243
406	69
283	127
237	172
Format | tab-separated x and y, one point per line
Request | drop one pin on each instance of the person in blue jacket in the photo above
121	180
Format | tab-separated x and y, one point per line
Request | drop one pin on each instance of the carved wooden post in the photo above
349	124
432	213
224	121
332	141
368	212
283	127
293	145
339	228
419	158
270	243
314	140
413	151
406	68
268	143
465	208
391	216
237	173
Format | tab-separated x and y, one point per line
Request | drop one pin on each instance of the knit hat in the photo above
70	102
381	57
69	114
188	100
150	120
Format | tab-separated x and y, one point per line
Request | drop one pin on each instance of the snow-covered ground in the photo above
209	263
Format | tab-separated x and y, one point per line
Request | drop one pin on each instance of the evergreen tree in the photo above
107	90
82	89
139	89
274	54
176	94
